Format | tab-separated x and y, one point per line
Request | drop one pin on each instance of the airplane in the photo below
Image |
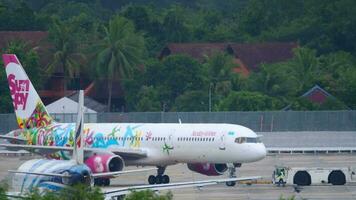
47	175
210	149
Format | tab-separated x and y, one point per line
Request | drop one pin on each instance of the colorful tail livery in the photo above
29	109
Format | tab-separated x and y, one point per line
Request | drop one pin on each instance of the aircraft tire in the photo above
159	179
165	179
106	182
98	182
151	179
230	183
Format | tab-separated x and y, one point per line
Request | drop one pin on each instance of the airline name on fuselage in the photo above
204	133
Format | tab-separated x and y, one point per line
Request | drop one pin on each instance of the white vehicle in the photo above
209	149
304	176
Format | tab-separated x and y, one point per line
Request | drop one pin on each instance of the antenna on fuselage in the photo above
78	147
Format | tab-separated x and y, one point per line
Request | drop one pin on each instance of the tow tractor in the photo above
304	176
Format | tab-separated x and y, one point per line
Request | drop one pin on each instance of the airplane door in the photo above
171	140
222	141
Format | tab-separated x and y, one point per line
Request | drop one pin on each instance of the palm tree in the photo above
66	54
305	65
119	52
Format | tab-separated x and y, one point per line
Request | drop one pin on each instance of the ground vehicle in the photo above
304	176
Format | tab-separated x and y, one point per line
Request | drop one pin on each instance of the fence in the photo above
257	121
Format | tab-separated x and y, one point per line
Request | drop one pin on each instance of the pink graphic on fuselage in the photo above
89	139
148	135
63	135
19	91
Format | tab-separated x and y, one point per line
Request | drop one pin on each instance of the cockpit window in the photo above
241	140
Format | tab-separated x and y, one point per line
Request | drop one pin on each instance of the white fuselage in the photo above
165	143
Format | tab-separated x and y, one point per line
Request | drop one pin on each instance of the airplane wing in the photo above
15	195
111	174
112	193
96	175
124	152
15	140
121	151
39	174
36	148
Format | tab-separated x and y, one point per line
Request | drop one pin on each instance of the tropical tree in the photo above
174	25
274	80
220	76
306	67
66	55
3	190
30	61
249	101
148	99
121	50
190	101
148	195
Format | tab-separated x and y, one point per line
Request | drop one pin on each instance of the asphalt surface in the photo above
262	168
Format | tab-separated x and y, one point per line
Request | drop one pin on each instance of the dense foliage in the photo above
82	192
120	40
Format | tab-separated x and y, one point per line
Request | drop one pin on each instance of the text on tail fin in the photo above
29	109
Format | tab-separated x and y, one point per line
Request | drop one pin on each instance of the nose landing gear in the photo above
161	178
232	173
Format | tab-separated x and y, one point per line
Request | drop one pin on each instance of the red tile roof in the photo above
36	40
196	50
250	55
33	38
317	95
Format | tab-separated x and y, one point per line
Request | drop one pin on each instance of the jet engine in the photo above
209	169
105	162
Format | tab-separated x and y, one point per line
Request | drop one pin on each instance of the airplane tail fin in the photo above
29	109
78	151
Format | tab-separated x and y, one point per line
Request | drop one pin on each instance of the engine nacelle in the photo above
105	162
209	169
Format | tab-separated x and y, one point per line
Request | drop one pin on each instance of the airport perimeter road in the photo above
244	192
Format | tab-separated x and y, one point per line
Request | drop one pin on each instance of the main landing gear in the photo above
232	173
102	182
160	178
